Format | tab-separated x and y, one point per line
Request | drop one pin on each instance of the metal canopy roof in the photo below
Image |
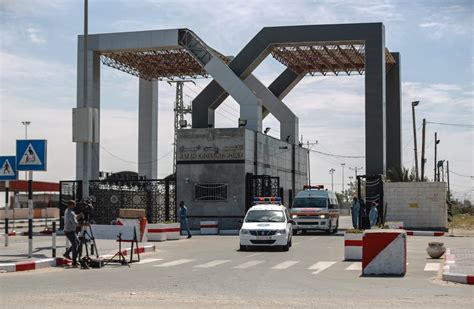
326	57
155	64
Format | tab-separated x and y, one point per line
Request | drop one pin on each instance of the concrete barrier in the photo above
353	246
174	231
209	227
384	252
159	231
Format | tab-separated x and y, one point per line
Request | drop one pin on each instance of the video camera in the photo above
84	209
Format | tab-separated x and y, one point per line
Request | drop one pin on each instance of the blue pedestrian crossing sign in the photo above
31	155
8	168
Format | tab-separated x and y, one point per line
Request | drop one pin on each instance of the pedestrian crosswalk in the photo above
315	268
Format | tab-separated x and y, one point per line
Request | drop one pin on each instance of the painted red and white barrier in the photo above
424	233
141	226
32	265
209	227
384	252
449	275
353	246
161	231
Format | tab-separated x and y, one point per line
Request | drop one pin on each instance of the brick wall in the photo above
420	205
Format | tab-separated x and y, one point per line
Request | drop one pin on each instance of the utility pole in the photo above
179	111
309	145
447	175
436	177
331	171
442	170
423	160
413	104
355	169
343	164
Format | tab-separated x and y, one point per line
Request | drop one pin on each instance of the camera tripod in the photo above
87	236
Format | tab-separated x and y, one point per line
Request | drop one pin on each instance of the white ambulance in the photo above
315	209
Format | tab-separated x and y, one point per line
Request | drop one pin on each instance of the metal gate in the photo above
260	185
156	196
373	194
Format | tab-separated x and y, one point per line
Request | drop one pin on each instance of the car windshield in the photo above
265	216
310	202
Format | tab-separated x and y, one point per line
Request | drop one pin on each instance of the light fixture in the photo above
242	122
267	129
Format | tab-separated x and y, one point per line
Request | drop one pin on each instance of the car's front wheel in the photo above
243	248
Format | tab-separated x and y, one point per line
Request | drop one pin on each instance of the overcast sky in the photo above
38	41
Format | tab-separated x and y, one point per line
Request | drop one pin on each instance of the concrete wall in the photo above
420	205
209	155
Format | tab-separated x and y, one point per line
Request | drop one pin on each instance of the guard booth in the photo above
373	185
220	171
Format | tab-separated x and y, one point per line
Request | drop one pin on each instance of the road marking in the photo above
285	265
296	244
432	267
248	264
313	238
355	266
146	261
174	263
321	266
255	254
212	263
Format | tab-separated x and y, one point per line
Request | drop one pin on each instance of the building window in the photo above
210	192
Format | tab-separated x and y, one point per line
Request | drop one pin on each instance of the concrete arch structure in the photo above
383	122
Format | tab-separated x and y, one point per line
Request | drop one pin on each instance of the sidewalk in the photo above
17	251
459	265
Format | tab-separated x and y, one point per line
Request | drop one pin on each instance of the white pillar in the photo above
148	129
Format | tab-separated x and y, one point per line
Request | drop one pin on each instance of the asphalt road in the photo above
209	271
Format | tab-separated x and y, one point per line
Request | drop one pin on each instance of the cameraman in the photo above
70	224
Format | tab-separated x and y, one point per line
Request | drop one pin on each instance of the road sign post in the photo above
31	156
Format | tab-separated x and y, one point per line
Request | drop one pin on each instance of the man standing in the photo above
183	218
355	207
70	223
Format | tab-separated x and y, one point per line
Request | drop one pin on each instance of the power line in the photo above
461	175
337	156
452	124
134	162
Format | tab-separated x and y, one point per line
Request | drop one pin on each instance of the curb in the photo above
450	259
54	262
32	265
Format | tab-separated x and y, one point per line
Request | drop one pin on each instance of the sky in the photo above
38	59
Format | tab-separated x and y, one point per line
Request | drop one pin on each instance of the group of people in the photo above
358	207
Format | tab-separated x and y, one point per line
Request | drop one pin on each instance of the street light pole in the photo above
413	104
26	124
331	171
423	160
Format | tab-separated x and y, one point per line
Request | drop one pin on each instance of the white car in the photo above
266	225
